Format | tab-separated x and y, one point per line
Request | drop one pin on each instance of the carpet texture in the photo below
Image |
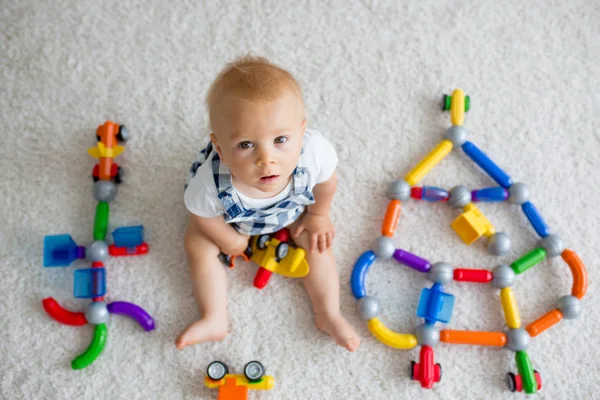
373	74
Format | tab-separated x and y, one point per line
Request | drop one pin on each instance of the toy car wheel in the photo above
467	103
440	367
123	134
98	138
261	243
511	382
225	259
248	251
95	178
446	102
538	379
217	370
282	251
119	177
254	371
412	370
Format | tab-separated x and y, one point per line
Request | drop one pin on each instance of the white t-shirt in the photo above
319	157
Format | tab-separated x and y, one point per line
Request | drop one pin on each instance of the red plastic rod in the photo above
473	275
262	278
126	251
62	315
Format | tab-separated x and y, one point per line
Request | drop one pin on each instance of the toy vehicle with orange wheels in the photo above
108	135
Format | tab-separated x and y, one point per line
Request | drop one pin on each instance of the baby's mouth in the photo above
268	178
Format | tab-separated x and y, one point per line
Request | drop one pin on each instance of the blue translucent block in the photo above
490	194
128	236
487	165
435	305
61	251
432	193
357	281
90	282
534	216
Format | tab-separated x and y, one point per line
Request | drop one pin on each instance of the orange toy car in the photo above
108	135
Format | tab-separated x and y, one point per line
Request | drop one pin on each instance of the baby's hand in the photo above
320	230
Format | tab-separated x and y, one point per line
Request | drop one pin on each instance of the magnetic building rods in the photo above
61	251
435	305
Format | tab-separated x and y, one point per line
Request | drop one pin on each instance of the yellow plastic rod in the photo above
389	337
457	109
511	311
431	160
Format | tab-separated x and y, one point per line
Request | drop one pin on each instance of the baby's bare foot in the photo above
204	330
339	329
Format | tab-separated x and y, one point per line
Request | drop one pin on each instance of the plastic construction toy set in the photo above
274	254
61	251
435	304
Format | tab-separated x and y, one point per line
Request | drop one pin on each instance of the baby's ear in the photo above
213	139
303	126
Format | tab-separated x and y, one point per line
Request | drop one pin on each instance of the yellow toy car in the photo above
273	253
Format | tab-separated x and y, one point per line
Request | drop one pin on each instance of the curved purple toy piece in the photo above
132	311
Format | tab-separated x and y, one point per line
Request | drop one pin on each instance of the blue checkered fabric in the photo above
256	221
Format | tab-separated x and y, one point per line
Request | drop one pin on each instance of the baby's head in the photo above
258	121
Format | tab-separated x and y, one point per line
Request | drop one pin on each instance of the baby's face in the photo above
260	141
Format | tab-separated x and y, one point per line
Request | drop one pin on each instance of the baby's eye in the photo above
280	139
245	145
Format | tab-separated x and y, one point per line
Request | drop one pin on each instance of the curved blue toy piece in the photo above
357	281
534	216
481	159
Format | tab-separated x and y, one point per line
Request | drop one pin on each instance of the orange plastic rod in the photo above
391	218
544	322
580	280
473	337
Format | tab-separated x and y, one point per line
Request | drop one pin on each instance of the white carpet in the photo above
373	75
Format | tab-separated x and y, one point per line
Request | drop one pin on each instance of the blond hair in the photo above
250	78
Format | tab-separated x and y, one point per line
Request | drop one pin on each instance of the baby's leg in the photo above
323	287
209	282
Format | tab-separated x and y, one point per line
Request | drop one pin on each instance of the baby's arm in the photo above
323	193
316	221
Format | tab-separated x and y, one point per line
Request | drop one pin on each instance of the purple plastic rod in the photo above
132	311
411	260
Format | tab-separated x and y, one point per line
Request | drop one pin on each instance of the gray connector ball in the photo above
427	335
399	190
518	193
553	245
569	306
383	247
456	134
105	191
517	339
499	244
441	273
97	313
368	308
459	197
97	251
503	276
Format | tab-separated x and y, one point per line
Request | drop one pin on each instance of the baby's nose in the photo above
265	157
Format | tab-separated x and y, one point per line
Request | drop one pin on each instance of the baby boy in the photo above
263	170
